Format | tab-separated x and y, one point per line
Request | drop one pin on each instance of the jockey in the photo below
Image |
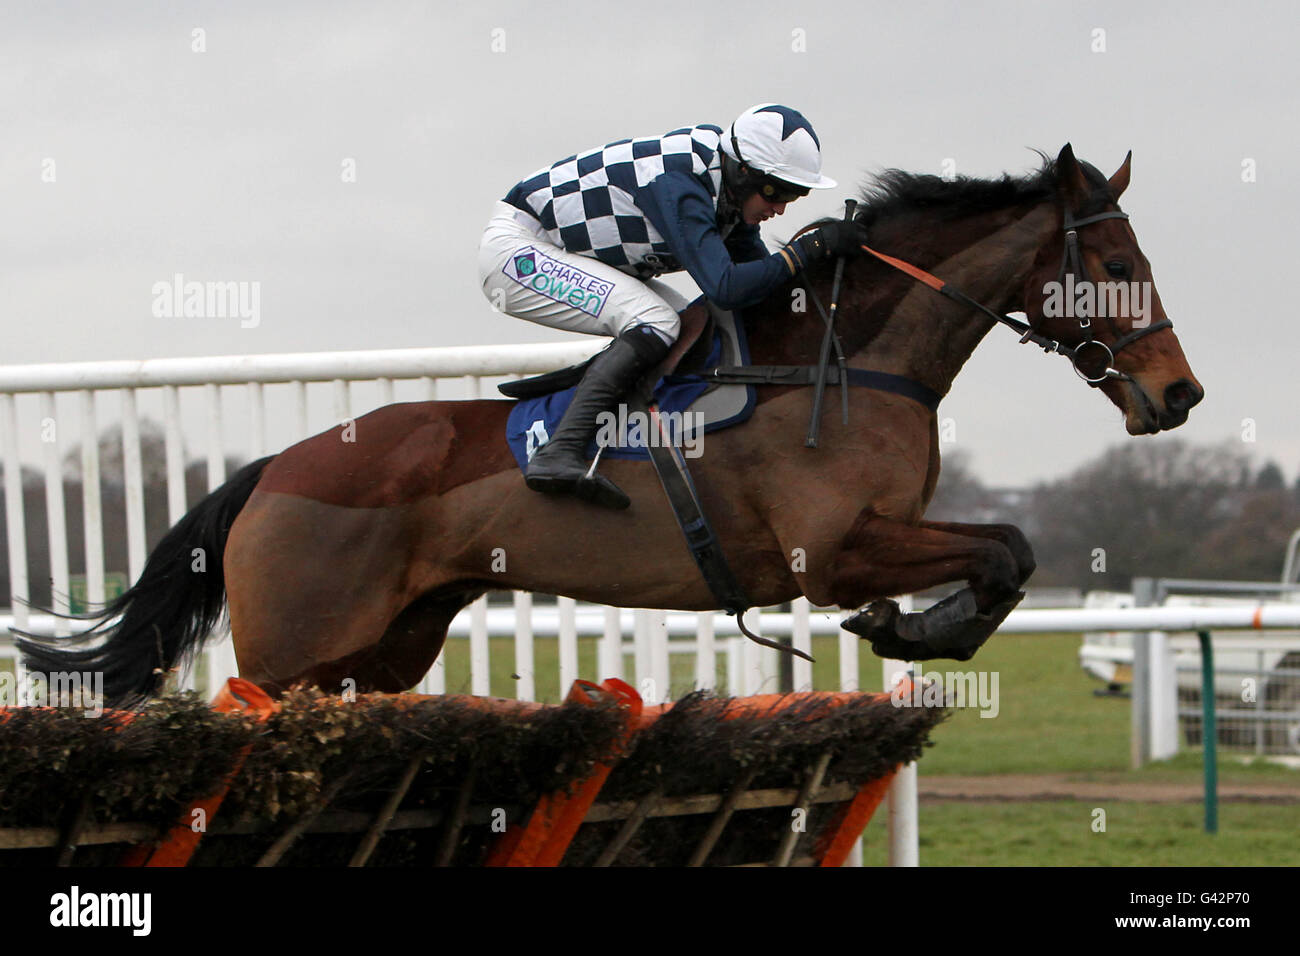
578	245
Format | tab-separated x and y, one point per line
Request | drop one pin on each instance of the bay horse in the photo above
349	558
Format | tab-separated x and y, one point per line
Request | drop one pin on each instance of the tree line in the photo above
1162	508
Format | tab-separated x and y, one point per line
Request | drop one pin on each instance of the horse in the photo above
347	556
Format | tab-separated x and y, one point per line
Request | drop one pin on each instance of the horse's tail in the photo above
164	618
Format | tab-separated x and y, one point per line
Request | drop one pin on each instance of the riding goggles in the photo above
776	191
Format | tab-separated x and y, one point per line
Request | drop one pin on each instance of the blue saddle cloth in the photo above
533	420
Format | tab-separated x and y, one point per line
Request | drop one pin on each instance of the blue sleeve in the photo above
681	209
746	244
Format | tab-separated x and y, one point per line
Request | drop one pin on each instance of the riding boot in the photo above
560	466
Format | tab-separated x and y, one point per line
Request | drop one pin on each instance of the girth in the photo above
701	540
807	375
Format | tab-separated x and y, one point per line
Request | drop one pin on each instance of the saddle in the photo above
681	388
689	354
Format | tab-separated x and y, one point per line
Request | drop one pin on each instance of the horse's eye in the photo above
1117	269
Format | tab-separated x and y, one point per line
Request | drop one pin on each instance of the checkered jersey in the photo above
592	203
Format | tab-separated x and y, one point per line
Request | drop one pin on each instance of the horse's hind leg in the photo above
405	652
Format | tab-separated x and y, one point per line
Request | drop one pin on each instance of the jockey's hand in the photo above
835	238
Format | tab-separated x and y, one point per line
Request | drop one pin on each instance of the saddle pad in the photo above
689	406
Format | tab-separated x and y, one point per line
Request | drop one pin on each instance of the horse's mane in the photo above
896	192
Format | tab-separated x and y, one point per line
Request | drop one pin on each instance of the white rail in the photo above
1076	620
478	361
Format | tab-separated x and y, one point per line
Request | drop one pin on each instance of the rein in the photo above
819	387
1092	360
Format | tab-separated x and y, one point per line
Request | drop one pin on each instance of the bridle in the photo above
1071	266
824	372
1072	260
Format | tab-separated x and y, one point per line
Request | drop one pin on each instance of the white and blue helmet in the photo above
779	142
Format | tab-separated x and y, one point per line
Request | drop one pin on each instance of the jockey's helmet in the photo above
777	154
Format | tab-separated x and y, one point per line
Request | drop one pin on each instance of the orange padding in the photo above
178	845
544	838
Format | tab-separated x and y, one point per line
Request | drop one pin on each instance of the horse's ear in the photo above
1074	187
1119	182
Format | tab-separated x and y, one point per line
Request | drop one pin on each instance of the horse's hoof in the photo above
951	630
979	630
878	623
878	619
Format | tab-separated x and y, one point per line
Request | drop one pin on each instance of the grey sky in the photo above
226	165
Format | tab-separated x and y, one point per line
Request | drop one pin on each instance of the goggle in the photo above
776	191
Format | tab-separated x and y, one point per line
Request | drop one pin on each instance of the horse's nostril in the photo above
1182	395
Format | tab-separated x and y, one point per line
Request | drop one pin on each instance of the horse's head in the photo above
1091	290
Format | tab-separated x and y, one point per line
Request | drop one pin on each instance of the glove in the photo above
835	238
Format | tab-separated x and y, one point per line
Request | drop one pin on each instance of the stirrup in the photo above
599	490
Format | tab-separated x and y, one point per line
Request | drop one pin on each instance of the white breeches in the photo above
525	275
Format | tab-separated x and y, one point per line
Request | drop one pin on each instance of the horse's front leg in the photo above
1008	535
881	557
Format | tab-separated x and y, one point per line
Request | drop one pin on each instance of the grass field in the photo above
1059	833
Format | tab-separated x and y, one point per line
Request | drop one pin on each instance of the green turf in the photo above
1060	833
1048	720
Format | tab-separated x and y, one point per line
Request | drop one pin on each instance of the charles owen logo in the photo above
526	264
556	280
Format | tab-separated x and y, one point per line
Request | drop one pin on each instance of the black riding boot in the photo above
560	466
